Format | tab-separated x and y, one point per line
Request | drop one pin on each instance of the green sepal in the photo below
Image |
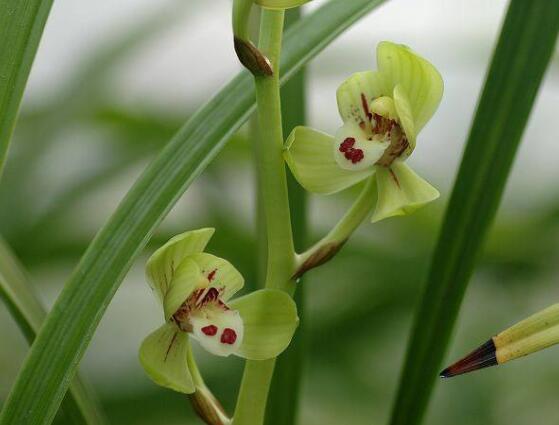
405	116
400	191
269	320
223	273
186	279
419	79
163	355
310	156
162	264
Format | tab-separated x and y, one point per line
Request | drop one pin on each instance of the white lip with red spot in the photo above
218	329
356	149
209	319
196	289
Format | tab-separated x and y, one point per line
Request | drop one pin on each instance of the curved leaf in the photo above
523	52
79	405
21	27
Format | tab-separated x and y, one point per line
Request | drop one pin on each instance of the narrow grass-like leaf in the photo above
523	52
21	26
69	327
285	391
79	405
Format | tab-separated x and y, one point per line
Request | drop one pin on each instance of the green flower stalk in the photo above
539	331
383	112
195	289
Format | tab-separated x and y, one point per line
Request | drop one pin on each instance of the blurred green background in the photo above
113	81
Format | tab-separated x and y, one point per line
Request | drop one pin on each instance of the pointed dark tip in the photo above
483	356
447	373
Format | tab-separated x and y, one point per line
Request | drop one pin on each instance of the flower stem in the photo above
269	158
253	394
286	388
206	406
330	244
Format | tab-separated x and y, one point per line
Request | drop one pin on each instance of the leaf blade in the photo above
79	405
21	26
517	68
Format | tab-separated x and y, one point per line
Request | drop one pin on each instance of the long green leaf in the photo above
78	406
21	26
70	325
285	391
519	62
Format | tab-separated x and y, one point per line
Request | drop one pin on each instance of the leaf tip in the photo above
482	357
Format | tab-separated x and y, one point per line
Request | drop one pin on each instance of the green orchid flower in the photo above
383	112
195	289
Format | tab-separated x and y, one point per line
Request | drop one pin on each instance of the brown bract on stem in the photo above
319	256
252	58
208	408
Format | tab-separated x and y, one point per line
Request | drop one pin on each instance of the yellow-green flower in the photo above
383	112
195	289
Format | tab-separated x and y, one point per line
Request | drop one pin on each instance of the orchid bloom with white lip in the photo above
195	289
382	113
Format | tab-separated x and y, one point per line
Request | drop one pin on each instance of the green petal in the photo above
405	116
161	265
280	4
356	93
419	78
163	357
310	156
269	319
186	279
401	191
222	273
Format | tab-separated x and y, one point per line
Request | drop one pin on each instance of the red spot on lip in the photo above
357	156
209	330
211	275
351	154
347	144
229	336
